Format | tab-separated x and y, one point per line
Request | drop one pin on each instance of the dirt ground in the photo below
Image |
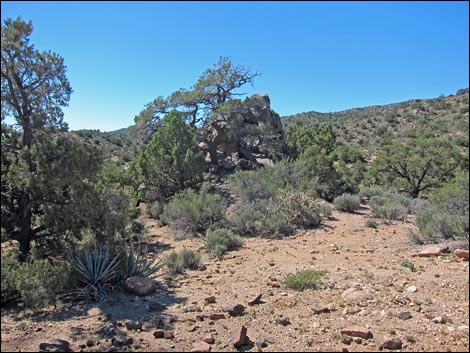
365	285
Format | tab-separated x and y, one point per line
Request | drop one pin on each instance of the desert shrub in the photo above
190	212
261	184
219	241
299	209
391	207
415	237
177	262
371	223
410	265
369	192
156	209
245	218
10	265
275	224
347	202
304	279
325	210
37	283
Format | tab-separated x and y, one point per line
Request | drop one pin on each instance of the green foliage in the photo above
325	210
347	202
313	139
190	211
96	267
417	166
177	262
410	265
391	207
36	283
171	162
304	279
371	223
369	192
447	214
156	209
300	209
246	218
135	262
219	241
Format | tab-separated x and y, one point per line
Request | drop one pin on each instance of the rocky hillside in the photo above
368	128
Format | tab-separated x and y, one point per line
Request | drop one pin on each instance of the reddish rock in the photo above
432	250
463	254
240	338
357	331
216	316
209	339
201	347
210	300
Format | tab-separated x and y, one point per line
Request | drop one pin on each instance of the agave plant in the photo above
137	264
96	267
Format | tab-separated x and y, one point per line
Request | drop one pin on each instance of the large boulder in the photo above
238	140
140	285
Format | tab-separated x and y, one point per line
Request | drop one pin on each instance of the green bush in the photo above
135	262
371	223
410	265
392	207
190	212
185	259
304	279
369	192
219	241
347	202
245	218
325	210
37	283
275	224
155	209
299	208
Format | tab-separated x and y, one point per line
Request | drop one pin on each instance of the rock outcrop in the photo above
245	136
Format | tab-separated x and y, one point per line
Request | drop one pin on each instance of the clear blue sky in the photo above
322	56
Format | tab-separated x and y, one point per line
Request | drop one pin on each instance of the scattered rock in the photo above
210	300
260	343
209	339
357	331
133	325
432	250
140	285
216	316
439	320
346	339
463	254
393	344
256	300
321	309
404	315
283	321
387	284
159	334
201	347
411	289
55	345
240	338
155	306
235	309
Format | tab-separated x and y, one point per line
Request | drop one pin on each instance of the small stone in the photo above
411	289
261	343
405	315
210	300
235	310
321	309
133	325
346	340
216	316
438	320
201	347
387	284
209	339
240	338
357	331
90	343
159	334
283	321
393	343
256	300
192	328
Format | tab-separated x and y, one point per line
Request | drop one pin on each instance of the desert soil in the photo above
365	286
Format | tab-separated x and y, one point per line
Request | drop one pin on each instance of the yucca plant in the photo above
137	264
97	267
